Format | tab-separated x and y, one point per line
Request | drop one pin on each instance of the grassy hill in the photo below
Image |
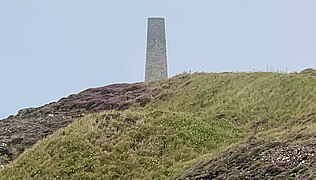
199	126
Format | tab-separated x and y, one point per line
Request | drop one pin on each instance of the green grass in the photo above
122	145
194	116
241	97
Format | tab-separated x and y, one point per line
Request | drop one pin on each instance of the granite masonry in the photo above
156	56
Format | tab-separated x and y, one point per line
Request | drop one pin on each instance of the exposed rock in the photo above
22	112
261	160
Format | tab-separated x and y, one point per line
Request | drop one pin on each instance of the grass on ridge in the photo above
240	97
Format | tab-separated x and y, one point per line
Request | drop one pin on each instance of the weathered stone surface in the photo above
261	160
156	56
32	124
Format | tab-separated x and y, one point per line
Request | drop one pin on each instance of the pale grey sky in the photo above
52	48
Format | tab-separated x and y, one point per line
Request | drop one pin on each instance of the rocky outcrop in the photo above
261	160
32	124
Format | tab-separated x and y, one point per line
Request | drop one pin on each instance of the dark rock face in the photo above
32	124
261	160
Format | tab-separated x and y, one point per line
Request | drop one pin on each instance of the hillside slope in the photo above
198	126
32	124
288	152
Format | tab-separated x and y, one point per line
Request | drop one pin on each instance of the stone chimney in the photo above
156	55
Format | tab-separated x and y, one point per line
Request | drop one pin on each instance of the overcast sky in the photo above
52	48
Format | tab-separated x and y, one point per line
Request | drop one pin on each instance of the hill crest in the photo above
193	126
